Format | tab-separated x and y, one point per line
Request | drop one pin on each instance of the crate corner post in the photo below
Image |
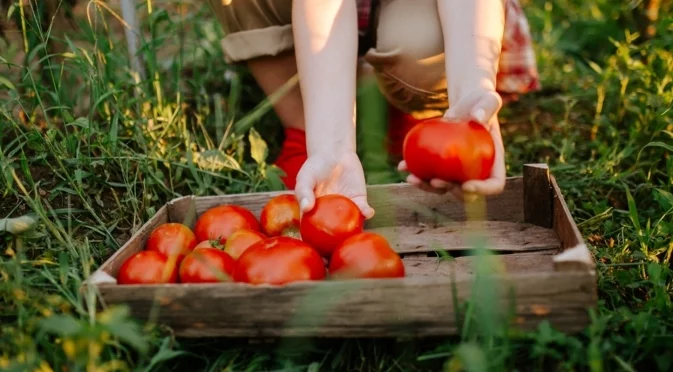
183	210
537	195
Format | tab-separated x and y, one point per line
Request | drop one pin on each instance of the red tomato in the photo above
365	255
209	244
147	267
279	260
450	151
280	215
171	239
292	232
333	219
207	265
241	240
219	223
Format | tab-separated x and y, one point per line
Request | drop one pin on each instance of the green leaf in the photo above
654	271
164	354
664	198
216	161
62	325
633	211
4	81
118	322
659	144
80	122
273	178
472	358
258	148
10	11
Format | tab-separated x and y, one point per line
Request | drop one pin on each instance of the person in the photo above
431	58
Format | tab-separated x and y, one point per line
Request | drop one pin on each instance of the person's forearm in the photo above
473	32
325	34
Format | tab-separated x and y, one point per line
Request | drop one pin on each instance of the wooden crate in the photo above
545	265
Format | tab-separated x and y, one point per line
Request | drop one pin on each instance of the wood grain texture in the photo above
580	258
456	236
537	195
417	306
463	267
182	210
395	205
499	236
565	227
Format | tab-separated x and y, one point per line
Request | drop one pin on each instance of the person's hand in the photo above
330	173
481	106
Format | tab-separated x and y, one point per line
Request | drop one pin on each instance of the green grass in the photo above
89	154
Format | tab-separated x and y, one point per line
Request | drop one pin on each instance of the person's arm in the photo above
326	42
473	32
325	34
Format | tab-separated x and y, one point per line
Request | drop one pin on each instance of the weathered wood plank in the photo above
500	236
418	306
395	204
406	205
455	236
463	267
537	195
576	255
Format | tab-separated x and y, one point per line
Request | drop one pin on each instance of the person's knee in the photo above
409	57
254	28
410	26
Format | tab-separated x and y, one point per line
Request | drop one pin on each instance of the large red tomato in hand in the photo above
279	260
366	255
171	239
147	267
207	265
333	219
450	151
241	240
280	215
219	223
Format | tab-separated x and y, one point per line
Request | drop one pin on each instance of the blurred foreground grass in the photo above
89	151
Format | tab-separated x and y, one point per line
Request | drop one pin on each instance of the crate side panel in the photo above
457	236
463	267
252	201
575	256
385	308
564	225
537	195
135	244
406	205
182	210
398	204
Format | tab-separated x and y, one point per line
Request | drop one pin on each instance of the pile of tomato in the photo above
229	244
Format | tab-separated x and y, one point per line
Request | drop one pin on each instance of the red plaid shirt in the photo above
517	71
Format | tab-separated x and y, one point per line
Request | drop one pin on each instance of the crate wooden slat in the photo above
541	258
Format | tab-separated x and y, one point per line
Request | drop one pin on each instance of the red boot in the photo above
399	124
292	156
